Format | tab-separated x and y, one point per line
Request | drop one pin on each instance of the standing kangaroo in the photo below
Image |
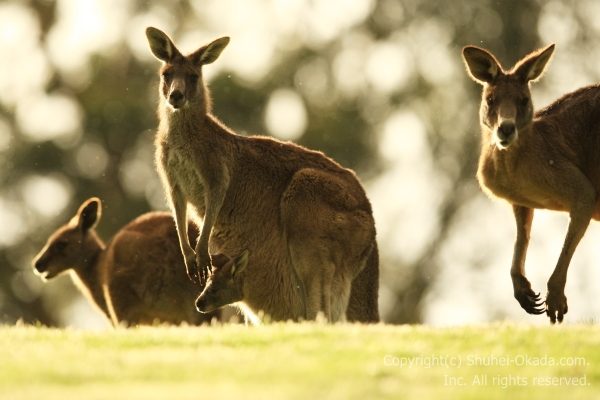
137	279
550	160
305	219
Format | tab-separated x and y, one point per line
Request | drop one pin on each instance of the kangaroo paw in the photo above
527	298
556	306
192	269
203	268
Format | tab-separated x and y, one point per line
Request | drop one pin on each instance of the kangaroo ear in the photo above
161	45
532	66
240	263
219	260
481	65
210	52
89	214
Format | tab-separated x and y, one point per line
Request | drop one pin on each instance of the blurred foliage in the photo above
118	101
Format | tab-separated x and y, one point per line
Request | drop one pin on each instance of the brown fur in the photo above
549	160
305	219
225	286
137	279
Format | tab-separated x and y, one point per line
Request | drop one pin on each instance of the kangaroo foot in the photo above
527	298
556	305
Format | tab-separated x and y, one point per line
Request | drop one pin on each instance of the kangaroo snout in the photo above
39	265
41	268
506	134
202	305
176	99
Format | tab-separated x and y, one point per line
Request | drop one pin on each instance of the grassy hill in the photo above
302	361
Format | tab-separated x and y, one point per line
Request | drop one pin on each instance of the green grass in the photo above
303	361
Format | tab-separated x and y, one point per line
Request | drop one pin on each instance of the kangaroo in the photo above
305	219
225	285
132	280
547	160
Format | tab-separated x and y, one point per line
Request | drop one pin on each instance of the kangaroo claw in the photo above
203	268
192	269
527	298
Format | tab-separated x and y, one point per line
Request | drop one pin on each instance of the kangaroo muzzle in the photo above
506	134
177	94
203	305
506	131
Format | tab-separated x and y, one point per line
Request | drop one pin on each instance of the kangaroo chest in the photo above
519	184
178	162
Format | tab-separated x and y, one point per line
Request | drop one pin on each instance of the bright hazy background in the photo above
377	84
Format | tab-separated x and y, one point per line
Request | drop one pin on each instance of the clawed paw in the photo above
192	269
203	268
527	298
530	301
556	306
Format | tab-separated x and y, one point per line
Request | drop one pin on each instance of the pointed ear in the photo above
532	66
481	65
161	45
240	263
89	214
209	53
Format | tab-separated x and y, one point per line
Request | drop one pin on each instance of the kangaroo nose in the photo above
506	130
200	304
38	265
204	305
176	98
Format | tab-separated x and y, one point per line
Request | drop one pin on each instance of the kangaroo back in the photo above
145	275
137	279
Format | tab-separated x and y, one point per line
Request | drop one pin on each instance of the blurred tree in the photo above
379	87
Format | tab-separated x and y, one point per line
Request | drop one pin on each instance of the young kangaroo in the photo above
225	285
306	220
137	279
548	160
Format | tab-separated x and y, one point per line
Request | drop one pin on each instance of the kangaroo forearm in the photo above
214	202
523	219
203	239
179	206
210	217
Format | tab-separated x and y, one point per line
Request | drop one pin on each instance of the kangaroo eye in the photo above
193	79
60	246
167	75
489	100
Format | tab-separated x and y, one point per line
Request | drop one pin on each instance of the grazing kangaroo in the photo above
137	279
306	220
548	160
225	285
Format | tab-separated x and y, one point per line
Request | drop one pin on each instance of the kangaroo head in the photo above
181	76
506	106
225	284
66	248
